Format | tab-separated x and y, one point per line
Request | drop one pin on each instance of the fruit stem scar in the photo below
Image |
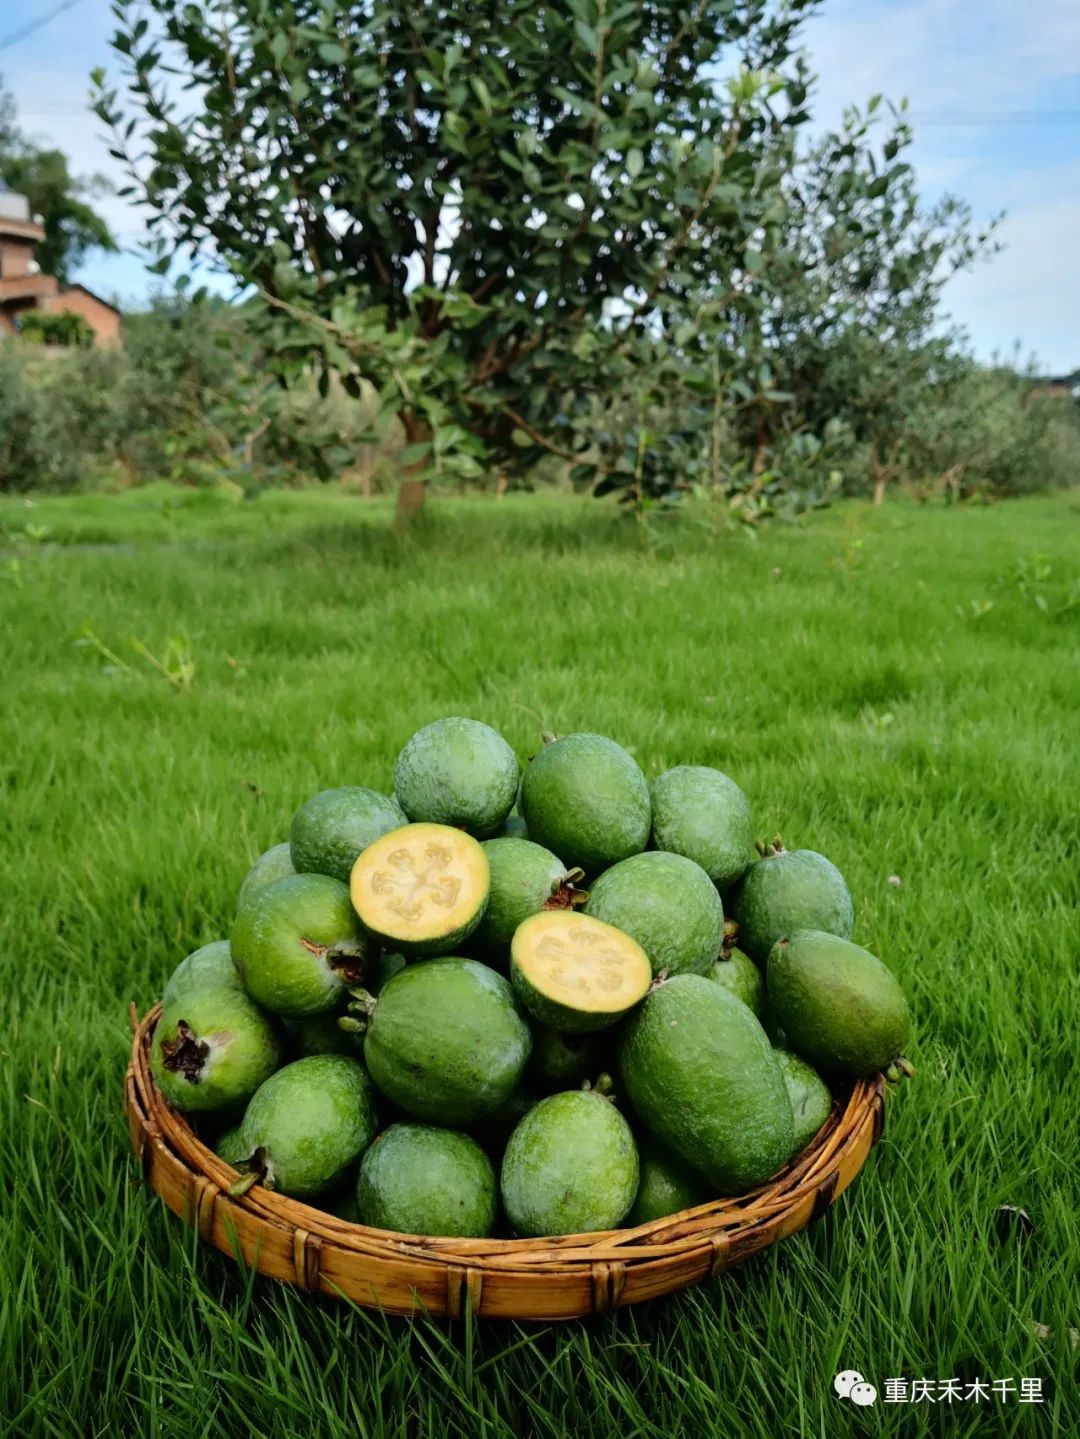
186	1054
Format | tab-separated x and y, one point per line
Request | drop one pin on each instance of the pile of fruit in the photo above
441	1017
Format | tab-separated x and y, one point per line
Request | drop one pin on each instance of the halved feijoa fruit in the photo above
576	973
421	889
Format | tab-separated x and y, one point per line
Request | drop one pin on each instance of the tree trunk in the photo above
880	472
412	494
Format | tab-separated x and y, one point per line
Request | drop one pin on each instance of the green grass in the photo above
896	688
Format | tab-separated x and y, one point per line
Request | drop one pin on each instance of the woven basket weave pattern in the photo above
543	1279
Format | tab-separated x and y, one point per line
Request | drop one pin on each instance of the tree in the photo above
72	226
851	326
491	213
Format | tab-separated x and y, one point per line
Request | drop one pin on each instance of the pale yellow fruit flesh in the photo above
581	962
419	882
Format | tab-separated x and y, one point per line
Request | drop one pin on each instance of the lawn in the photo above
897	688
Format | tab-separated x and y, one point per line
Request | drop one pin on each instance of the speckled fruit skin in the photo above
584	798
459	772
810	1098
447	1042
272	865
332	828
795	889
210	967
311	1119
738	973
840	1008
703	1078
571	1167
243	1048
421	1180
298	944
230	1146
666	1187
524	876
703	814
668	904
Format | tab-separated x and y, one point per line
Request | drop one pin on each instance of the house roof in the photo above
68	289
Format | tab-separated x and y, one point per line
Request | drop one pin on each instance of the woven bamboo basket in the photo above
541	1279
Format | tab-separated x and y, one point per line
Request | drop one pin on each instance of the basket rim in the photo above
730	1222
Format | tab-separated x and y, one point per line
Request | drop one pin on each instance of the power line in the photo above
31	26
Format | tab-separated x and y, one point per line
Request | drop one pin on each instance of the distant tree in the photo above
72	225
492	214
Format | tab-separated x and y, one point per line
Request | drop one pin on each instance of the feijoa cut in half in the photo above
575	973
421	889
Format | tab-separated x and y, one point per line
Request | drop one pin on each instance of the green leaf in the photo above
333	53
279	46
635	163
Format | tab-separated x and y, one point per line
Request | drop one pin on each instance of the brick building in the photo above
23	287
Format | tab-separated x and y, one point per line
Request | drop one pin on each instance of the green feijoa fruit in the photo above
422	889
737	972
298	945
840	1008
493	1130
584	798
274	864
212	1049
446	1041
668	904
809	1094
576	973
667	1185
331	829
564	1061
702	814
525	878
787	890
703	1078
570	1167
457	772
308	1122
230	1146
210	967
420	1180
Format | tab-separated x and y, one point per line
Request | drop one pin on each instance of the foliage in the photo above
429	205
56	329
72	225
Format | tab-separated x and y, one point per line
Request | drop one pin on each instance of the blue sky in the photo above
994	87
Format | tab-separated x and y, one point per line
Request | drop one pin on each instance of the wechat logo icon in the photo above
850	1384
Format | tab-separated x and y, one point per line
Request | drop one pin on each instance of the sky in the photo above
994	90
